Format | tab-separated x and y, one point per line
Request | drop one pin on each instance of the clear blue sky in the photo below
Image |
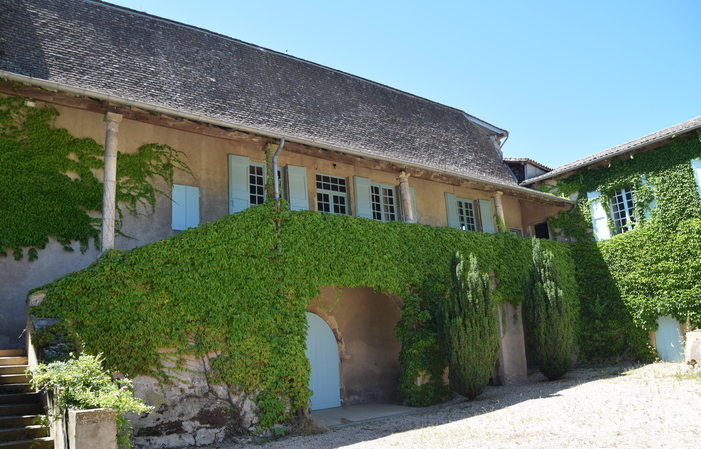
566	79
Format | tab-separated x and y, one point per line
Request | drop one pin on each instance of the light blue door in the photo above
669	340
322	352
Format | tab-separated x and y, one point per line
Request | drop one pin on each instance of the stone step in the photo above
37	443
23	433
20	398
13	360
14	378
24	387
18	421
11	352
21	409
13	369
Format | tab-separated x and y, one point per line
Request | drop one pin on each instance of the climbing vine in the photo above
237	290
629	280
48	182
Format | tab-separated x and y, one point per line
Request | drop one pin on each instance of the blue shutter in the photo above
451	206
186	207
239	195
297	187
363	204
696	166
487	216
652	204
599	219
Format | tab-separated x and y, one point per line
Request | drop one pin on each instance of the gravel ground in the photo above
653	406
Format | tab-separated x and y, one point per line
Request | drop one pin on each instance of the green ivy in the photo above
629	280
238	288
48	186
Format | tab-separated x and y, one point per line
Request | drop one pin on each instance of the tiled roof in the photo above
527	161
135	56
689	125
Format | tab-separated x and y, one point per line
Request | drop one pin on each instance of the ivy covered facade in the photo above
636	227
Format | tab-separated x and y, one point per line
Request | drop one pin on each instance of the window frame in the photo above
334	205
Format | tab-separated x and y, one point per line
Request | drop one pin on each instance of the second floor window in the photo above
256	183
622	207
331	194
384	207
466	215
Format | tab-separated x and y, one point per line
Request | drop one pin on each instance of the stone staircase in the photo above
19	406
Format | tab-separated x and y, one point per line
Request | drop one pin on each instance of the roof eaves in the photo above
58	87
656	137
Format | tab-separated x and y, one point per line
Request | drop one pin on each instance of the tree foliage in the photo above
549	316
469	332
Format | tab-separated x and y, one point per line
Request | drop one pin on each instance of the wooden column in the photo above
109	182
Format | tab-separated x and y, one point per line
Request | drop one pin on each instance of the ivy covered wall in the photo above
628	281
239	287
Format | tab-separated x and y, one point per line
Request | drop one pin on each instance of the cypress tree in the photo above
549	316
468	329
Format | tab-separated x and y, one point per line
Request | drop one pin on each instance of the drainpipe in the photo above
405	193
109	182
276	179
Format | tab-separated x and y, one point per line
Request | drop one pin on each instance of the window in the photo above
379	201
469	215
331	194
622	207
383	201
466	215
185	208
247	184
256	183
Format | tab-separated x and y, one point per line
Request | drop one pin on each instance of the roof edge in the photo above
176	113
669	133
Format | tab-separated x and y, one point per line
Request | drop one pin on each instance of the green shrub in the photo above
469	329
549	316
82	383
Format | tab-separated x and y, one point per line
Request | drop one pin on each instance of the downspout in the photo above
276	178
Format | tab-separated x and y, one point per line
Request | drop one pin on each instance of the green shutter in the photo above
239	196
451	205
363	204
297	187
487	216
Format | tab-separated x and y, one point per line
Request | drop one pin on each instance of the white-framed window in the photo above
331	194
247	184
622	208
469	215
466	214
381	202
384	202
185	207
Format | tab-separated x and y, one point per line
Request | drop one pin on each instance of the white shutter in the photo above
297	187
599	219
363	203
239	195
487	216
451	206
185	207
696	166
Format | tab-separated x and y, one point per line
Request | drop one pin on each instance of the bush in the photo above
549	316
81	383
469	329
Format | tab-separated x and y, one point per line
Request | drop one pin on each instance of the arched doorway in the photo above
322	353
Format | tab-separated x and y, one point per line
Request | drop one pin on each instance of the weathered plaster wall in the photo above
363	322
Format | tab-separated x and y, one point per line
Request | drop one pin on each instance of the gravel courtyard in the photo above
653	406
